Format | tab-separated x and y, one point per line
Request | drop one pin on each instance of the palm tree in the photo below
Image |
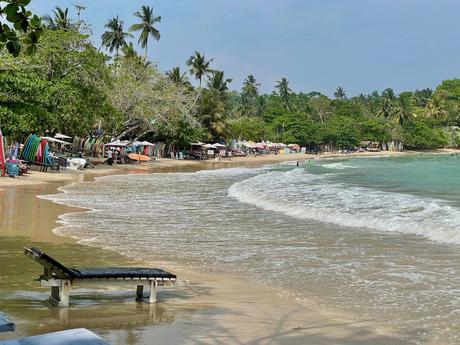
386	108
399	116
283	91
146	26
260	106
340	93
249	96
218	82
129	51
199	67
60	19
250	87
115	38
434	109
177	77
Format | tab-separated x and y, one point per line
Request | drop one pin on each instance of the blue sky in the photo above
361	45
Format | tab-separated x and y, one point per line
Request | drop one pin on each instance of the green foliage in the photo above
244	128
419	136
59	88
448	93
21	21
341	132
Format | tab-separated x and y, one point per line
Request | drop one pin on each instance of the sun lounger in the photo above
61	278
6	325
78	336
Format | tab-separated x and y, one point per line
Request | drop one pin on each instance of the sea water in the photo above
377	238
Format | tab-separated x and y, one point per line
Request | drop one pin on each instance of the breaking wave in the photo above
298	194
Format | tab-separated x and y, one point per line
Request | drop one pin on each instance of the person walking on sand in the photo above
110	157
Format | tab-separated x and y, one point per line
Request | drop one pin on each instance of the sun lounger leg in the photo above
60	294
153	291
139	292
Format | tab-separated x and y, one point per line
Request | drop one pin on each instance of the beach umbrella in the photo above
62	136
118	143
54	140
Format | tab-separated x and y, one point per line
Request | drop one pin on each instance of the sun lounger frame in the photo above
61	283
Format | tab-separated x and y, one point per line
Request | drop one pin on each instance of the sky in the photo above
361	45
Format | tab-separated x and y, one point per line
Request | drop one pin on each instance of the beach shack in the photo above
222	149
211	150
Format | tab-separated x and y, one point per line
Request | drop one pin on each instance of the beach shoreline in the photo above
36	177
222	309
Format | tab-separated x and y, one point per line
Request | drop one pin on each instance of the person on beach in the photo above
110	157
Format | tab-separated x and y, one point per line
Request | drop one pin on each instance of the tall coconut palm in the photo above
249	96
199	67
340	93
177	77
146	27
218	82
284	91
60	19
251	87
115	38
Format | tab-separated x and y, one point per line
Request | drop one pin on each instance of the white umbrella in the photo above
209	146
61	136
219	145
54	140
118	143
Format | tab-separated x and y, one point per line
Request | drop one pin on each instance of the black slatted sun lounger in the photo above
61	278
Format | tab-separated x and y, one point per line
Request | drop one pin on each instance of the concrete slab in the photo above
6	325
79	336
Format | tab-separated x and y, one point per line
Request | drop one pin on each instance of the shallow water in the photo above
374	237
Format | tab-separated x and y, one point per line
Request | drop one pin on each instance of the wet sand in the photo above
203	309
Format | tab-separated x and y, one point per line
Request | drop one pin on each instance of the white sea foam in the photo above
316	197
339	166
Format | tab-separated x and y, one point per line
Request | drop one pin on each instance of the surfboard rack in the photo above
61	278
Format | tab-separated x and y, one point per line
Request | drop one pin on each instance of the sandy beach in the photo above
204	308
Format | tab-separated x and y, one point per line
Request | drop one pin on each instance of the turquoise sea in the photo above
369	238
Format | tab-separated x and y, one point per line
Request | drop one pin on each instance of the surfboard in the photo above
139	158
